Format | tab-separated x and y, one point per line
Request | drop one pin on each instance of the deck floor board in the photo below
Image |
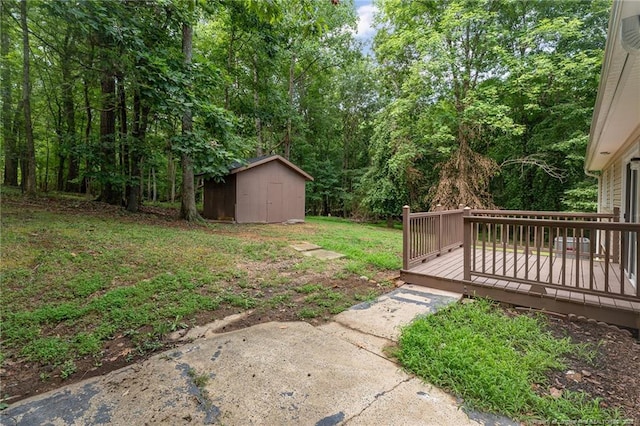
576	275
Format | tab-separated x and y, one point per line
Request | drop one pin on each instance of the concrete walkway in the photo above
268	374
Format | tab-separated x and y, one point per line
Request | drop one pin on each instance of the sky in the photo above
365	10
365	32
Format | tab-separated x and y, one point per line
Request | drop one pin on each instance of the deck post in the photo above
406	236
466	244
440	220
616	238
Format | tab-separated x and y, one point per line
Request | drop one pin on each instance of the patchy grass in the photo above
363	244
76	275
496	363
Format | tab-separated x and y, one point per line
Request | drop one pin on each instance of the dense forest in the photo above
482	103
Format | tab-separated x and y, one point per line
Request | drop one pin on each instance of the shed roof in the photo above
258	161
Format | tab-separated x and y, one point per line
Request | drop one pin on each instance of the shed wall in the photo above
220	199
269	193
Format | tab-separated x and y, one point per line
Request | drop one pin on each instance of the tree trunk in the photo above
287	136
256	106
68	106
124	142
108	167
46	170
30	160
138	134
171	174
87	130
8	133
122	130
188	210
154	184
133	188
61	161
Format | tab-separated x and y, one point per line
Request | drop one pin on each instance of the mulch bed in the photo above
613	376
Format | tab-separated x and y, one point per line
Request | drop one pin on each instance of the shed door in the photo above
274	203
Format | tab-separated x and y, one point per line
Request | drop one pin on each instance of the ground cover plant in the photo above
87	287
501	363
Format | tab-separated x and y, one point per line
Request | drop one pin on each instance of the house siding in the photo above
612	181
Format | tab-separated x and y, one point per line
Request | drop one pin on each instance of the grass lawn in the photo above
497	363
75	278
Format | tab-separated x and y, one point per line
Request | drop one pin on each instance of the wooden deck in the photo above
617	307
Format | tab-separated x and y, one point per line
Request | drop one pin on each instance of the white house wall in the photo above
612	181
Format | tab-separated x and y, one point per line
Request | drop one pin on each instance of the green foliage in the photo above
308	288
583	198
67	369
308	313
239	300
452	82
493	361
46	350
506	82
200	380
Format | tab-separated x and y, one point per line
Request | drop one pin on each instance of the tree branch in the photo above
536	160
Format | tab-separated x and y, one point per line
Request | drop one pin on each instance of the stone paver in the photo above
385	316
323	254
304	246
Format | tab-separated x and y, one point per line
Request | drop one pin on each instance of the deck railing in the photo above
429	234
562	251
534	237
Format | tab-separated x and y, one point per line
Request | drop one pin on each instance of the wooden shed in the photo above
265	190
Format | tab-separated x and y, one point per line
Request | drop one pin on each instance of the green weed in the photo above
148	342
492	361
279	300
325	298
46	350
308	313
87	344
200	380
240	300
68	368
308	288
370	296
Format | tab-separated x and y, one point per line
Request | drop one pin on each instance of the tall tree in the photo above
29	177
188	209
462	70
8	132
